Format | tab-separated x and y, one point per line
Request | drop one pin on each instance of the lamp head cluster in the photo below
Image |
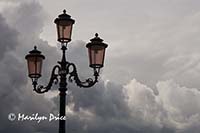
64	23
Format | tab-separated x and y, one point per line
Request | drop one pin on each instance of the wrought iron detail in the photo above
74	76
53	80
65	69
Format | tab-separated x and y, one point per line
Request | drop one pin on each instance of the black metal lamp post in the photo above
65	70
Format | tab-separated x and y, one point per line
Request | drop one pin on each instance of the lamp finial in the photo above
64	11
96	35
35	47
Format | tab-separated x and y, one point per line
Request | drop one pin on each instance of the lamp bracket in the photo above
74	76
54	79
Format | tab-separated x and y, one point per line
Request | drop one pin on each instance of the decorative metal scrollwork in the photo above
73	75
53	80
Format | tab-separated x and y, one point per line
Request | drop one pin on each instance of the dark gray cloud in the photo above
9	38
16	91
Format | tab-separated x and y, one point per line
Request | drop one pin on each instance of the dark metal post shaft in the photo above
62	112
62	89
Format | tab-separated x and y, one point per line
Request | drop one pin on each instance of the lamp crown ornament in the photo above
35	50
64	11
96	38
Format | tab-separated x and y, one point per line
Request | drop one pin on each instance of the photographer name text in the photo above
35	117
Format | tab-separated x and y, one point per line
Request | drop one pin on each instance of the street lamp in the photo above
64	27
65	70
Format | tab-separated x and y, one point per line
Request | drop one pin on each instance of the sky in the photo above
150	80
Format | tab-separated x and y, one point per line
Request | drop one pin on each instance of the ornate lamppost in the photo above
65	70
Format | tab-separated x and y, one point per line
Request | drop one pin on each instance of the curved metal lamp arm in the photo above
74	75
54	79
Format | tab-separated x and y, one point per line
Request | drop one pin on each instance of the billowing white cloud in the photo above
175	107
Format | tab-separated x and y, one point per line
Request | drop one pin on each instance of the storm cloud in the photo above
148	85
